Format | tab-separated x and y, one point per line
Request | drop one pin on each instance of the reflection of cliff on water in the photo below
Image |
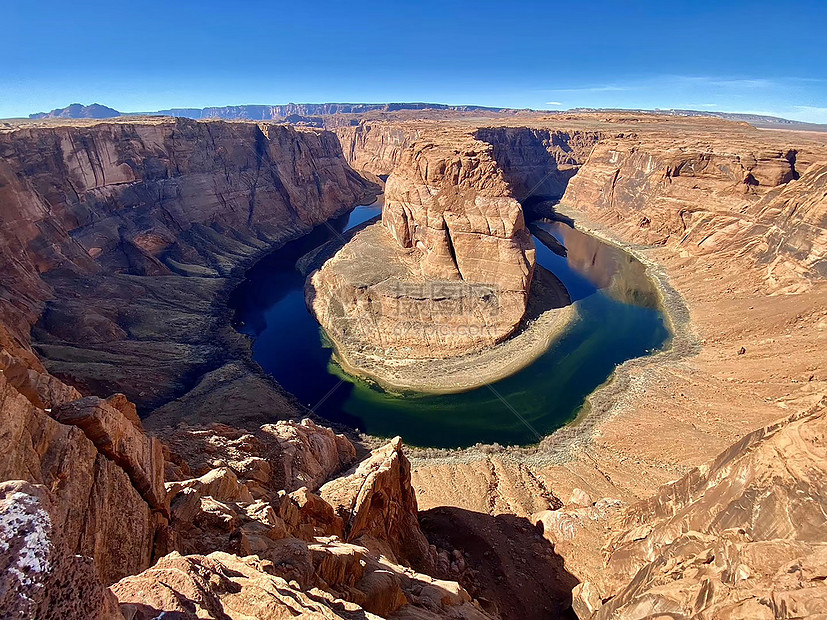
617	273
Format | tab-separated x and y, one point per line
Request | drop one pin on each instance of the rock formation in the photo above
253	550
378	507
741	538
286	455
446	273
88	464
41	578
708	194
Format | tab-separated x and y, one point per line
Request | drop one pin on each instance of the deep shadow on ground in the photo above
512	570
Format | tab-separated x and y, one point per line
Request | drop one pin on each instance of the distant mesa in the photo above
303	112
313	113
761	121
78	110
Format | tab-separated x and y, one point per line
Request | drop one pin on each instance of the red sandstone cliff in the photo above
118	239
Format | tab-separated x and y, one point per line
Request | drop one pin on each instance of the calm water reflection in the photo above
619	319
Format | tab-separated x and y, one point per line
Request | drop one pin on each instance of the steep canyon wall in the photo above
121	237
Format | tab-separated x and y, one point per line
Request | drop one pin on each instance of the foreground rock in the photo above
87	476
282	456
39	576
742	538
378	506
282	554
221	586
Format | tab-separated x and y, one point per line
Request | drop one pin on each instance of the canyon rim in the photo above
125	383
552	348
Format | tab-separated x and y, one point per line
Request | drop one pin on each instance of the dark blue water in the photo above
618	319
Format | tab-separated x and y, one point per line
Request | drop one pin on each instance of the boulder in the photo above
378	506
39	576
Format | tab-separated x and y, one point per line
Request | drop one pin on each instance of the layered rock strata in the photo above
446	273
740	538
760	204
122	239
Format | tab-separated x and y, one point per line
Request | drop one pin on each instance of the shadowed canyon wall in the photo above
122	238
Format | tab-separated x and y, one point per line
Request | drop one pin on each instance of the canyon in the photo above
151	467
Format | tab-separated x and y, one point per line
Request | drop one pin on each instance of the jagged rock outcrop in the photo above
287	553
121	439
223	586
740	538
378	506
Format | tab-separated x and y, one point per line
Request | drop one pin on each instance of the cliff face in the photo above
759	204
538	163
376	147
120	237
448	270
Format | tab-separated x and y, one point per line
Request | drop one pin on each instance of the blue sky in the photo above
757	56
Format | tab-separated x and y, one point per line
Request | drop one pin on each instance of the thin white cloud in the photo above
553	103
811	113
722	82
811	108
